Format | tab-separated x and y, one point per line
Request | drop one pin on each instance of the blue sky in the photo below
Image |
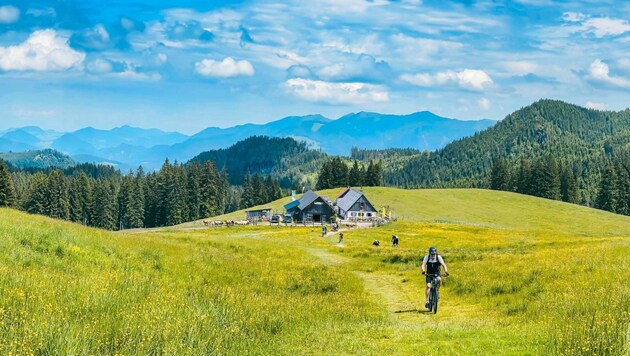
187	65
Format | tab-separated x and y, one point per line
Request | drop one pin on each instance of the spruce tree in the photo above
569	186
248	197
209	190
500	177
105	207
339	173
325	177
223	192
524	177
260	194
36	201
7	191
623	188
355	178
193	177
608	189
136	207
57	198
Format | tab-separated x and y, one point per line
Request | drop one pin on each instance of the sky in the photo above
187	65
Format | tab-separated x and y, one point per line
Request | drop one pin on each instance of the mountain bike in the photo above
434	293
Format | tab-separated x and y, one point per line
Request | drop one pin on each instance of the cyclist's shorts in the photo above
428	278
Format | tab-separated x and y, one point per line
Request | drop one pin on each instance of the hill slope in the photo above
479	207
576	136
276	290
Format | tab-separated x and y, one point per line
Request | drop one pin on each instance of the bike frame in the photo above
434	293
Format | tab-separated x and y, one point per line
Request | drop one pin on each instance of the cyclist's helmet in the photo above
432	249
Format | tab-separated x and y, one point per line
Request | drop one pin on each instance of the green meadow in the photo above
528	276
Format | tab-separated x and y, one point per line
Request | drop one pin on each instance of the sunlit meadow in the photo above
528	276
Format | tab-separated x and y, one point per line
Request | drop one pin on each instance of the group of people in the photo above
394	241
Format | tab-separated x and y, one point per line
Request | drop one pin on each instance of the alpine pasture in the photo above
528	276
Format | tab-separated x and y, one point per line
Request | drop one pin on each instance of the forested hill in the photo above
38	159
284	158
580	138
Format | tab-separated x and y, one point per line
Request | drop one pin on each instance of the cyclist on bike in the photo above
431	265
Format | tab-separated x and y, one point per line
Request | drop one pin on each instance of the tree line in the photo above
175	194
546	178
336	173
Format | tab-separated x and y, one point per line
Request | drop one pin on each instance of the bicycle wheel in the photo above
435	298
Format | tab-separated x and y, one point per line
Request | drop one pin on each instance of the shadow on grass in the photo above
411	311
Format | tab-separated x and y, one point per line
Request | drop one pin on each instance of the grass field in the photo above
529	276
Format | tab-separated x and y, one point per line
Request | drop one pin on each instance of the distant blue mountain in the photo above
128	146
21	136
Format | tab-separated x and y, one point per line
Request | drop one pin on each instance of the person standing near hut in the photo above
340	237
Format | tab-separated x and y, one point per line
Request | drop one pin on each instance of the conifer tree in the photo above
260	194
151	210
272	189
36	201
524	177
325	177
339	173
223	192
248	197
569	186
7	191
137	204
500	177
623	187
374	174
193	177
355	178
608	189
105	207
57	198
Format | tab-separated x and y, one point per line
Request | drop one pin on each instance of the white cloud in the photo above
573	16
472	79
346	6
520	68
596	106
336	93
9	14
99	66
604	26
484	103
599	71
225	68
44	50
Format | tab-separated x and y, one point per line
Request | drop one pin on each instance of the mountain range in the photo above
128	147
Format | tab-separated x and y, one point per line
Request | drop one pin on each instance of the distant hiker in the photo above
376	243
324	230
340	237
394	241
431	266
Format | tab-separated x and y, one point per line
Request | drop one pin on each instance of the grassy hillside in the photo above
499	210
529	276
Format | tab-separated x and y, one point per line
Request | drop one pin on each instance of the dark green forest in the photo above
581	142
102	197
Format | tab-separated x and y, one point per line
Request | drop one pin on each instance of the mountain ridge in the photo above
132	146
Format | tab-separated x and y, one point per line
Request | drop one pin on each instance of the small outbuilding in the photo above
354	205
258	214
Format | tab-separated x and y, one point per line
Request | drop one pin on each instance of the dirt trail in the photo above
404	301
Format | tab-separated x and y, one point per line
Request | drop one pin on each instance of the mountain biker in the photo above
431	265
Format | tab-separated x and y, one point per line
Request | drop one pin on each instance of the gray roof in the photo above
306	199
348	200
